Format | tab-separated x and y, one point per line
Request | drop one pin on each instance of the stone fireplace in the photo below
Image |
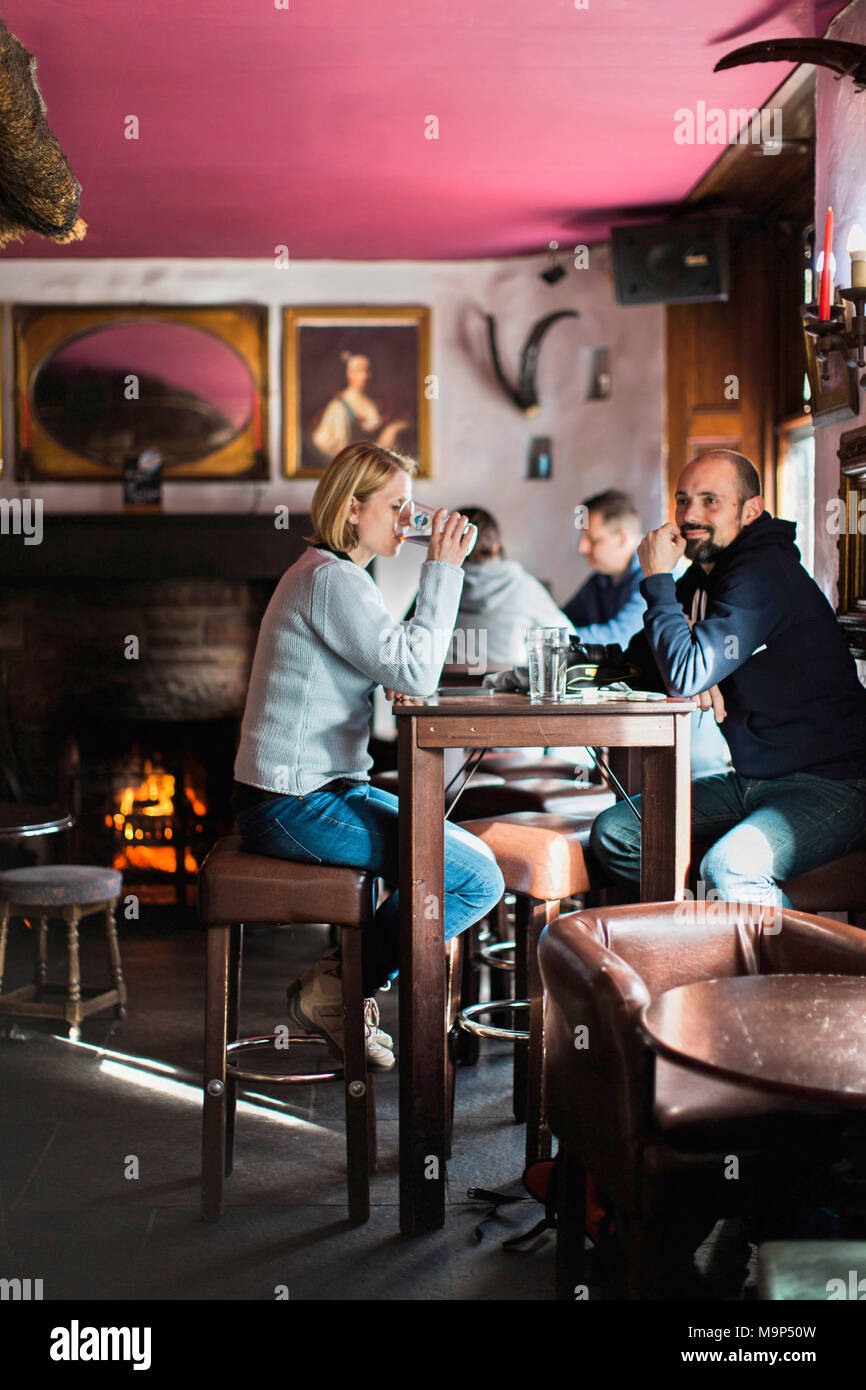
125	648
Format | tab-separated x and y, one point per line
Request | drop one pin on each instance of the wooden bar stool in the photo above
69	892
236	888
543	861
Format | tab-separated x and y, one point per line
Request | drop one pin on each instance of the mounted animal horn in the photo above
38	191
525	396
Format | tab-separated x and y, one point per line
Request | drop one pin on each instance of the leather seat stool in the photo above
838	886
544	795
236	887
388	781
528	762
69	892
543	861
489	794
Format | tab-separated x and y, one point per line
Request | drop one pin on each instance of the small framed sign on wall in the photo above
353	374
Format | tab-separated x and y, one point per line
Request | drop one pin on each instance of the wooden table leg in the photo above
666	811
625	763
422	984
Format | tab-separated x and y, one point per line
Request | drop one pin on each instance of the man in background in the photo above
609	607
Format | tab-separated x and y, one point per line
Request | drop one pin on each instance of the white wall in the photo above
479	438
840	181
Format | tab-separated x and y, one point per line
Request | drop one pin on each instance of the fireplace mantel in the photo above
148	546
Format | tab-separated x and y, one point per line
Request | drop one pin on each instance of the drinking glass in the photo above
547	655
417	523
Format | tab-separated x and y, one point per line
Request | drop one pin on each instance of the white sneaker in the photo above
316	1005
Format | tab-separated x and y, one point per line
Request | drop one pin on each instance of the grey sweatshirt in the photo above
325	643
499	600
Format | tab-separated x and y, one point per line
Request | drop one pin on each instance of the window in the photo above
795	483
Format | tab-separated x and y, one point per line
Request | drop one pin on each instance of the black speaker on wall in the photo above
673	262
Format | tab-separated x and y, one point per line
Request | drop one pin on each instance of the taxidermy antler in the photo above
845	59
38	191
525	397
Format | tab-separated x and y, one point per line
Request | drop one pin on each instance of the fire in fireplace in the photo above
161	813
151	829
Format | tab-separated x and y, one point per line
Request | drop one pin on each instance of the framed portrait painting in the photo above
353	374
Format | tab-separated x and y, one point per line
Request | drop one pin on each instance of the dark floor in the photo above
99	1185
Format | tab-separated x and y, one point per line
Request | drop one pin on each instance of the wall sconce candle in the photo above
829	327
826	268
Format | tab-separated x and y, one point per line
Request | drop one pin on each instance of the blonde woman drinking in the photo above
326	642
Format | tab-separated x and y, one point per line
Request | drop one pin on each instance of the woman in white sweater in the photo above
325	643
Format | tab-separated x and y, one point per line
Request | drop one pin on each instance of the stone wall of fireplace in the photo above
90	653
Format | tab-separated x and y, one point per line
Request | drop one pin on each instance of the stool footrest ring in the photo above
286	1040
490	955
467	1019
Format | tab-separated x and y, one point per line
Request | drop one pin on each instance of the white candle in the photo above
856	248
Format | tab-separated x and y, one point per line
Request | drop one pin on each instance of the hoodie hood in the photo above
490	585
765	531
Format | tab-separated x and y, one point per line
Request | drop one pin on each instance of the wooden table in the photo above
660	729
801	1035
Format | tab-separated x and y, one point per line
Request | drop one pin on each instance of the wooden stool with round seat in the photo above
69	892
236	887
543	861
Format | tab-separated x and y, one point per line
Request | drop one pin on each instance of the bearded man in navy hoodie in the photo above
750	632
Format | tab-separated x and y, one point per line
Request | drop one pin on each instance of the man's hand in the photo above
712	699
661	551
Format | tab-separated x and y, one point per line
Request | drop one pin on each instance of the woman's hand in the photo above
450	545
401	699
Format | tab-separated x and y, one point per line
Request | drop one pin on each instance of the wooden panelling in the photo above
721	361
755	337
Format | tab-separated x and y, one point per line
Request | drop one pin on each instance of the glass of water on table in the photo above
547	657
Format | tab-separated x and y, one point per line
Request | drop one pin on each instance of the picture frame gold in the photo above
42	330
330	398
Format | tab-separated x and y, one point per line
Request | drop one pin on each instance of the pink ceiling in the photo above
306	126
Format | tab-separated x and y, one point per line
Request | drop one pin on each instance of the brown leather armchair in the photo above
655	1136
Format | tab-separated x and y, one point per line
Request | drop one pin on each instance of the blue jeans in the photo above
765	831
354	825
